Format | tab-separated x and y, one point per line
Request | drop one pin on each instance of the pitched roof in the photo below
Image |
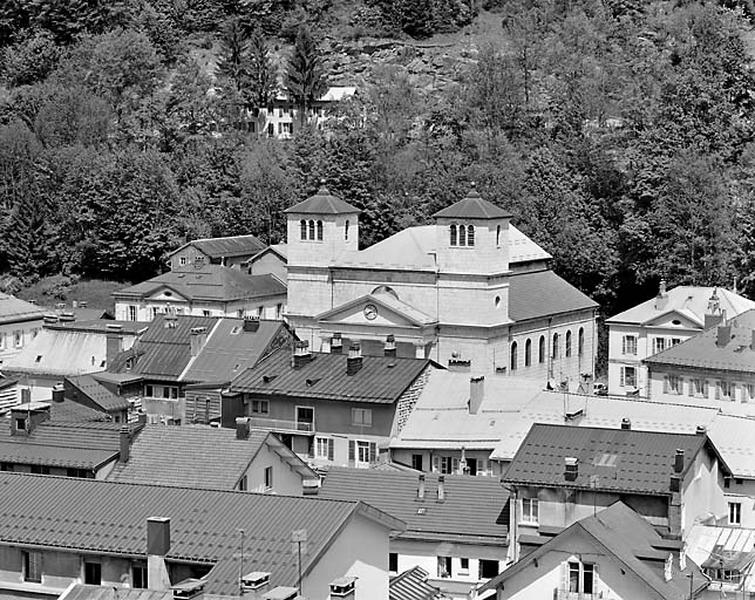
60	352
81	591
608	459
322	203
381	379
412	584
722	547
628	538
280	249
542	293
473	206
211	282
462	518
13	310
97	393
73	412
104	516
219	247
198	457
692	301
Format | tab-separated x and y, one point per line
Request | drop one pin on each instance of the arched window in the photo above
346	230
303	226
453	234
581	341
319	230
498	236
514	357
470	235
541	350
385	289
462	235
567	349
311	230
528	352
554	349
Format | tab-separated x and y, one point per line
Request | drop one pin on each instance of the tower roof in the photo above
472	207
323	203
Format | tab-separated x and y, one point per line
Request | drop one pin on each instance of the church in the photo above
470	292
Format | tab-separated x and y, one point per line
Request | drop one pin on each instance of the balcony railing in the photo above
282	425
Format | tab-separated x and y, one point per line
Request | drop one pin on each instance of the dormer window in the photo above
462	235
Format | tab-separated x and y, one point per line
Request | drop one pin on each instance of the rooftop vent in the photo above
571	468
188	588
281	593
343	587
354	360
336	344
255	580
626	423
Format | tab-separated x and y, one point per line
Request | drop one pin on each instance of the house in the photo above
469	291
726	556
178	352
659	323
332	409
20	321
202	457
560	474
614	554
31	442
68	348
99	394
120	536
205	290
272	259
231	251
456	529
413	584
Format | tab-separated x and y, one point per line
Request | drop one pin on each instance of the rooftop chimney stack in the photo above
679	461
390	345
58	392
421	488
125	440
113	342
723	335
301	354
336	344
242	428
476	393
626	423
158	546
441	488
701	430
197	339
662	298
354	360
571	468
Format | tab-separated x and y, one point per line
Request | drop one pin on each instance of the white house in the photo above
19	323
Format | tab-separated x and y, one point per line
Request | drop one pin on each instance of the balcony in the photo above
567	595
283	425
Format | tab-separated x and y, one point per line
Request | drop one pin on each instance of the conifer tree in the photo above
305	77
262	73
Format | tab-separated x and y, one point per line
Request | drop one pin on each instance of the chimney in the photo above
626	423
197	339
571	468
301	354
390	345
257	581
158	546
251	324
675	485
67	317
476	393
701	430
711	320
354	360
58	392
188	589
242	428
336	344
113	342
125	439
679	461
723	335
662	298
421	488
441	488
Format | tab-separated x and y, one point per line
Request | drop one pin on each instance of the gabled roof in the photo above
73	412
131	328
381	379
462	518
60	352
543	293
230	246
322	203
13	310
724	547
198	457
211	282
472	207
690	301
280	250
614	460
89	387
90	515
81	591
624	536
412	584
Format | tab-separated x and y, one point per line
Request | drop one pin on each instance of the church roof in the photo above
323	203
543	293
472	207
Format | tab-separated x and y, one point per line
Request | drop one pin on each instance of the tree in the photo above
190	108
233	62
30	59
263	80
305	77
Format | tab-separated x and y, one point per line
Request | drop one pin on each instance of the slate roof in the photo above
60	352
104	516
280	249
473	206
381	379
73	412
462	518
15	310
322	203
412	584
98	393
628	538
543	293
615	460
211	282
219	247
196	456
692	301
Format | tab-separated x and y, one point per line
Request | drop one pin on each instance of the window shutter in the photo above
718	390
733	391
595	579
665	385
680	391
565	576
705	388
311	452
483	468
331	450
352	452
624	344
622	370
373	452
436	463
455	465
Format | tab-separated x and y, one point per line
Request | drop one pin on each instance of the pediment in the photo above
675	319
376	310
165	293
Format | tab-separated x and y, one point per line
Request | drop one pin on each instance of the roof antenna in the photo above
241	562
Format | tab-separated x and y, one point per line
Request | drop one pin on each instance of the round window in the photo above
676	322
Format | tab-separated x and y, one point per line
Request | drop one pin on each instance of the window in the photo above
319	231
2	340
80	473
541	350
660	344
470	235
18	338
725	390
628	377
311	230
463	566
32	566
149	391
528	352
444	567
324	448
581	341
629	344
363	452
462	235
488	568
417	462
205	313
139	576
674	384
700	387
268	478
554	349
498	236
92	573
529	510
675	341
748	392
305	418
581	578
448	465
567	348
393	562
260	407
132	313
735	513
453	235
243	483
182	261
20	424
346	230
514	357
361	417
303	229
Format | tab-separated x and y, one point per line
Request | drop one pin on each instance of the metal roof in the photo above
60	352
89	387
219	247
543	293
381	379
473	206
323	203
412	584
14	310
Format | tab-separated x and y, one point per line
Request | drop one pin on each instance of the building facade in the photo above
20	321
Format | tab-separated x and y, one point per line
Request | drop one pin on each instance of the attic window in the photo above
39	358
268	378
236	367
311	382
606	460
421	510
168	293
676	322
236	330
103	363
93	360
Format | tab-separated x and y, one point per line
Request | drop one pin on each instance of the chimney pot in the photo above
354	360
125	444
421	487
390	345
571	468
679	461
242	428
336	344
476	393
441	488
301	354
58	392
626	423
701	430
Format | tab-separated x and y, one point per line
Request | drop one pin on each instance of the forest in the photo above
618	132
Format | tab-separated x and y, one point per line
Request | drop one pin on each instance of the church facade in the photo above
470	291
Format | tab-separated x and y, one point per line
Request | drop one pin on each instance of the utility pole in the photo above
299	537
